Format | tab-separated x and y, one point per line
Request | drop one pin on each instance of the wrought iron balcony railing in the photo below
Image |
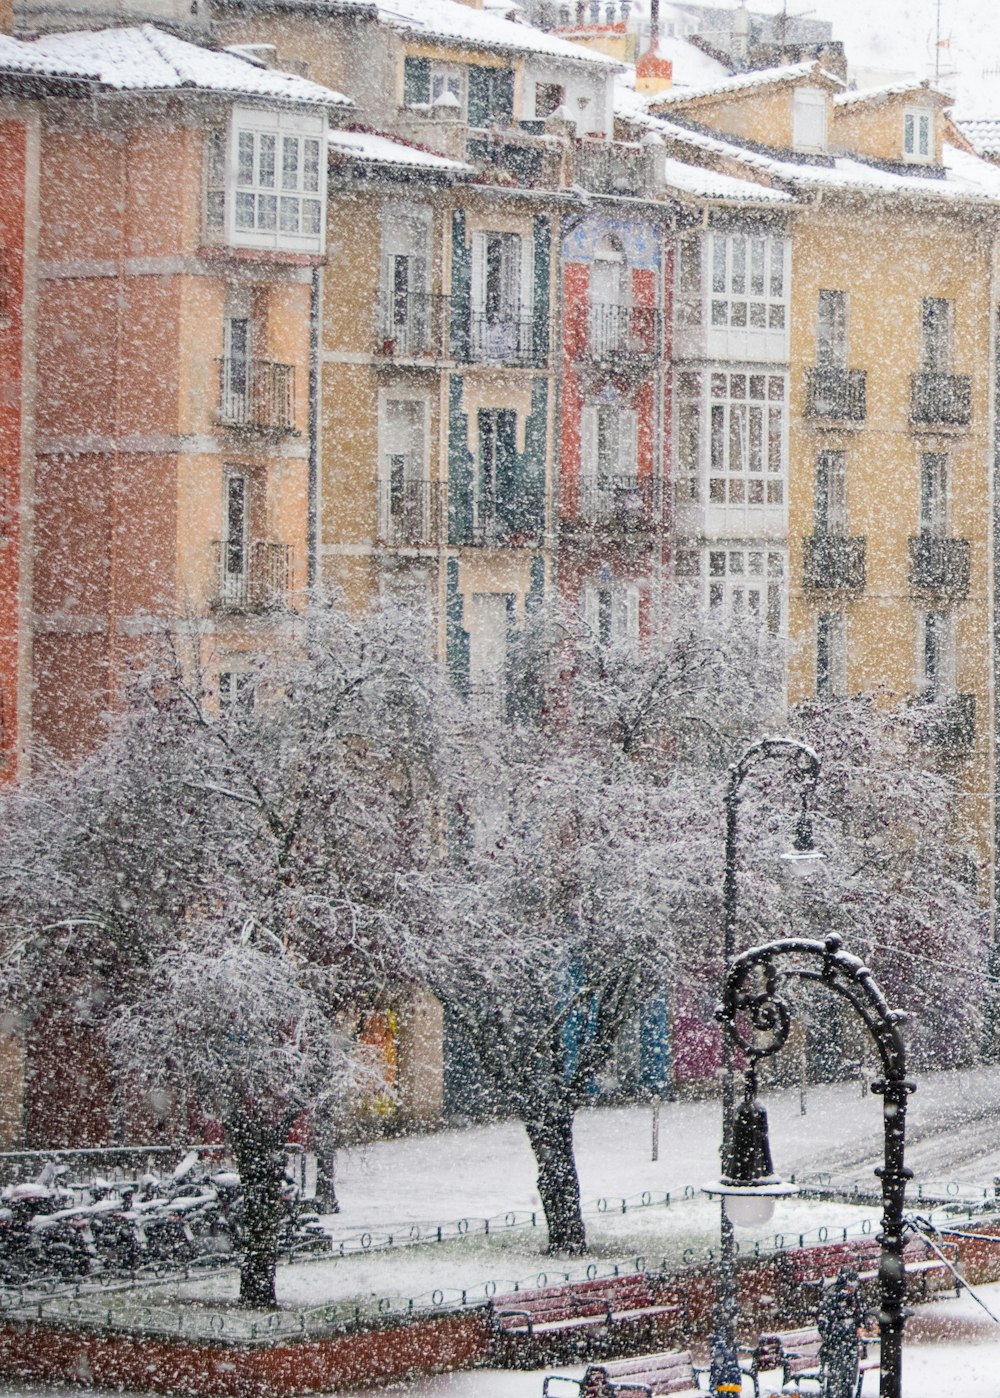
834	562
614	335
840	394
412	325
939	564
410	512
949	724
256	394
252	577
941	400
613	502
511	338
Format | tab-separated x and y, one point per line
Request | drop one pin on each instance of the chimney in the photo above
654	25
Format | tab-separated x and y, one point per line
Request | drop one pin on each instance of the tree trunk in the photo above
260	1160
551	1137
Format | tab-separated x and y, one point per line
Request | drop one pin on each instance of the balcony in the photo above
624	503
505	339
615	167
838	394
520	157
256	395
616	335
948	724
412	325
939	565
254	577
834	563
485	517
941	400
410	513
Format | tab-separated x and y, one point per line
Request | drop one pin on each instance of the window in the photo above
491	96
611	613
831	330
234	580
809	119
831	655
502	295
404	493
688	296
937	322
936	658
406	303
236	370
831	493
215	181
490	621
746	584
934	494
609	458
549	97
236	692
278	174
429	84
748	281
497	466
731	429
918	136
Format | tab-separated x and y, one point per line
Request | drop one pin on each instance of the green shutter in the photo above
416	81
532	461
536	585
509	502
459	468
543	261
461	288
457	638
503	95
479	96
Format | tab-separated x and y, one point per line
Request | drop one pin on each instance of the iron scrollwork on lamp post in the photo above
757	1022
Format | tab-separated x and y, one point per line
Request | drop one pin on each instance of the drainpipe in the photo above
312	507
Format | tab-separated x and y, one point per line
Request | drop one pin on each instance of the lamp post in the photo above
757	1021
800	860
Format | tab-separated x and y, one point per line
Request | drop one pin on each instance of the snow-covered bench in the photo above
796	1354
809	1270
648	1374
606	1315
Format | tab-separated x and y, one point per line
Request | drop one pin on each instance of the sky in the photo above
899	35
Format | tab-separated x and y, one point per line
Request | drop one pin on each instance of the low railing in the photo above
508	339
614	167
254	577
412	325
518	156
410	512
949	724
257	394
837	393
939	564
615	501
615	334
941	400
834	562
496	519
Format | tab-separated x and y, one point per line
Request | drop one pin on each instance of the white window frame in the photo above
407	232
265	197
234	582
830	496
453	78
748	282
416	472
831	634
753	421
741	582
511	334
237	692
831	329
919	136
934	494
941	683
809	119
611	614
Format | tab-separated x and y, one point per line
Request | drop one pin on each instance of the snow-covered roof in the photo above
966	178
765	77
983	132
457	23
143	58
708	184
18	56
900	89
374	148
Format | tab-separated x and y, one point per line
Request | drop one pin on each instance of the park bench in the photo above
808	1270
604	1315
797	1354
648	1374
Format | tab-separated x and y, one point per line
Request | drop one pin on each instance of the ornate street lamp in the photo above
801	860
757	1022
